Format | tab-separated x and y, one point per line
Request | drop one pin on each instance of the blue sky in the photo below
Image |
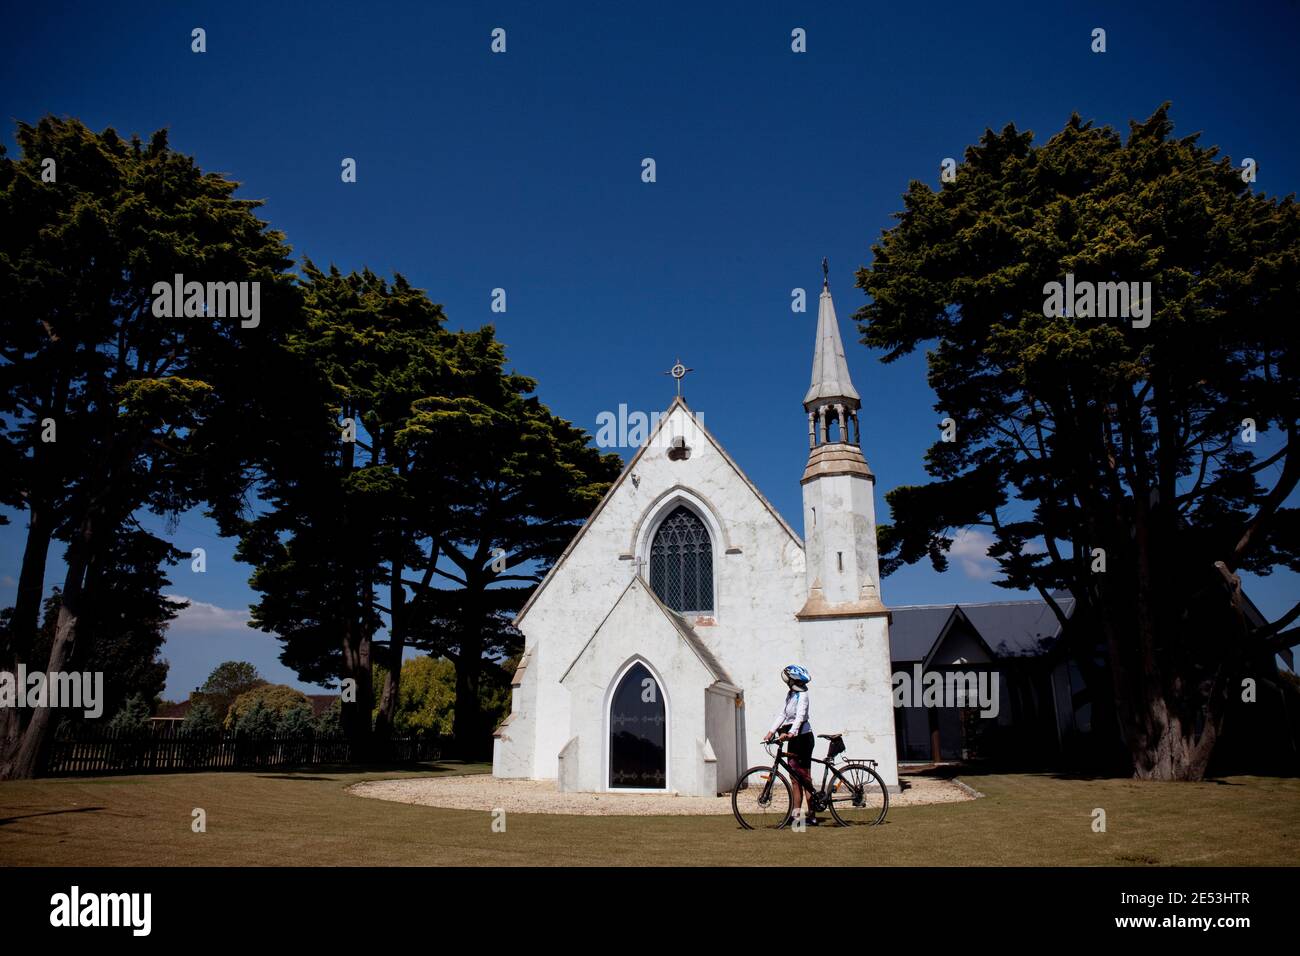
522	171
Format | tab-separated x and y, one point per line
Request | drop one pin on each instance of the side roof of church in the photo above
687	633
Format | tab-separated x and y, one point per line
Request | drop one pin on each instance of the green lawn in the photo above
306	818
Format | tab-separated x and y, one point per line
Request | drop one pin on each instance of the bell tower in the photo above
838	487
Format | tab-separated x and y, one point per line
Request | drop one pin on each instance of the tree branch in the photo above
1268	630
451	577
1285	485
1258	466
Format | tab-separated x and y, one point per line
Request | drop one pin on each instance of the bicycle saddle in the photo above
830	736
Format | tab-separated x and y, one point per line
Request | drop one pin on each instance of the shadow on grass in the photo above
1120	777
5	821
942	771
968	768
342	770
289	773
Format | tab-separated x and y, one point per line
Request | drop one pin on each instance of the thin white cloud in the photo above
202	618
970	549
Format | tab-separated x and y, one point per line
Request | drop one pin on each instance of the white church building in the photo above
654	646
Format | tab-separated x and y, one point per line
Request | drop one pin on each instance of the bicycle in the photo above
854	792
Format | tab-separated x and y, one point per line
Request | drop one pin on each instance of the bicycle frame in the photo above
780	761
843	791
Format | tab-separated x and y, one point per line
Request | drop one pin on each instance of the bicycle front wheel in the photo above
761	800
858	797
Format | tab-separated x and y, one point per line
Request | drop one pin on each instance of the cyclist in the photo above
792	724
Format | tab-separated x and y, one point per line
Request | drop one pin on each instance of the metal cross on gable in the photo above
678	371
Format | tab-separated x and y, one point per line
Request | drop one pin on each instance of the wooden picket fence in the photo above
161	748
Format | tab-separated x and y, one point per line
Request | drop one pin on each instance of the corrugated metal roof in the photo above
1018	628
1009	628
914	630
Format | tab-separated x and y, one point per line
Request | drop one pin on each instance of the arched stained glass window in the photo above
681	562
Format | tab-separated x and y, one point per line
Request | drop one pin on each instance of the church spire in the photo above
842	567
830	371
831	399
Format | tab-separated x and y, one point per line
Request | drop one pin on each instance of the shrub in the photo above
330	721
296	719
275	698
426	702
133	718
201	718
226	682
256	719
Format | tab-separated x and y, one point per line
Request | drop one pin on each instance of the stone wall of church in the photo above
637	631
512	749
852	689
721	714
841	551
759	585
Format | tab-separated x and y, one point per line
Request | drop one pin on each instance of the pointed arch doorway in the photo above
638	732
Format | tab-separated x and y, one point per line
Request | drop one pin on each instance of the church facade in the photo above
654	646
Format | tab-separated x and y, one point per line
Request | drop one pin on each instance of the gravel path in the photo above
482	791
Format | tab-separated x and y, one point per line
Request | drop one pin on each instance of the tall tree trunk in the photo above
24	760
20	635
1158	708
390	694
400	611
356	716
468	720
26	619
25	622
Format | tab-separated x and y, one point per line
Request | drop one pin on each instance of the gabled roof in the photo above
914	631
958	618
627	470
702	651
684	630
1017	628
1008	628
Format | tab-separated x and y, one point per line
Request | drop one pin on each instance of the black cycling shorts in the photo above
800	749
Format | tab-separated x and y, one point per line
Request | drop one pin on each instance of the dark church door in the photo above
637	732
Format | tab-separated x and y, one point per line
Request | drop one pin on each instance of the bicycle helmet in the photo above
794	674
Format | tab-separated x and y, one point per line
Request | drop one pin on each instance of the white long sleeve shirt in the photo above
795	713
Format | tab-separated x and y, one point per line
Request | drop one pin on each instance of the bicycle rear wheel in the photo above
761	799
858	797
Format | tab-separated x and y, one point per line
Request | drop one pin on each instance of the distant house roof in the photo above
1009	628
170	711
321	703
